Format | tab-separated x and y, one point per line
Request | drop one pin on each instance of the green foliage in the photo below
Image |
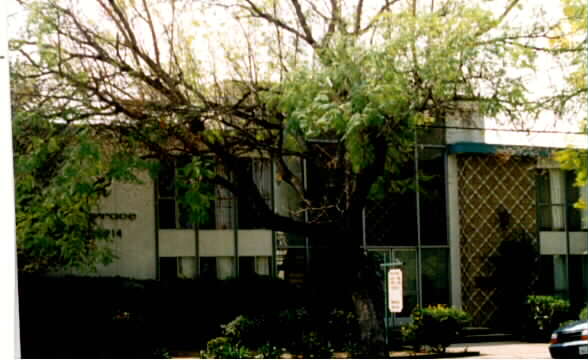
544	315
576	160
245	331
292	330
434	326
195	188
584	314
61	173
223	348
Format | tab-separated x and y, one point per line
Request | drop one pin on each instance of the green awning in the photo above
484	148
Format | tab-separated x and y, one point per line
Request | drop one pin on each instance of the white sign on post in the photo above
395	290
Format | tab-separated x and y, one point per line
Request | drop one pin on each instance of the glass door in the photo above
408	260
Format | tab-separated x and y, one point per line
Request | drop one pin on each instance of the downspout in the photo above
418	218
197	250
566	229
156	227
274	200
306	239
236	235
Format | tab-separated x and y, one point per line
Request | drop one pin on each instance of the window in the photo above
168	268
261	172
393	220
556	196
173	213
246	266
208	268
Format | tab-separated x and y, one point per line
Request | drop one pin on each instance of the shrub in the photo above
245	331
297	331
223	348
343	331
434	326
294	330
544	315
268	351
584	313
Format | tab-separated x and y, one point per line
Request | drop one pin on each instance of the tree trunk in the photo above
367	297
346	272
372	341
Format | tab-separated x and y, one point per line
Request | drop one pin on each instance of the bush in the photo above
343	331
245	331
92	317
293	330
584	313
434	326
223	348
544	315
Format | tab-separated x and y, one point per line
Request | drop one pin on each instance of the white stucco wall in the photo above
222	243
547	131
177	243
555	243
135	248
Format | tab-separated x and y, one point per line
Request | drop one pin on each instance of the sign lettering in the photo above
115	216
395	290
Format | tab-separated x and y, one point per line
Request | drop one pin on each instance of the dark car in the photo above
570	342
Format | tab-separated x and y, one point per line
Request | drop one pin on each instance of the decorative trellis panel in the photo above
489	184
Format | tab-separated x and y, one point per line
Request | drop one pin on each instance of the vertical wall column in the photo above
453	230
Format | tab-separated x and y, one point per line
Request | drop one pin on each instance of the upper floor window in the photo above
174	213
556	196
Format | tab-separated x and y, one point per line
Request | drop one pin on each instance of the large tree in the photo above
339	84
573	39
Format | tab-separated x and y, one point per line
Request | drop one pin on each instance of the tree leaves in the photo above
61	174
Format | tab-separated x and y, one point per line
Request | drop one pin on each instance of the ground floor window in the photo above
213	267
565	276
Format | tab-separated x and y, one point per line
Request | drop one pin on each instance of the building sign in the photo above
115	216
114	233
395	290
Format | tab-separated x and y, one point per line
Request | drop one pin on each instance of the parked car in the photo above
570	342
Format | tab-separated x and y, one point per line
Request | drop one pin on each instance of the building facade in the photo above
474	198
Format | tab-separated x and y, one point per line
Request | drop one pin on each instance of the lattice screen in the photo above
488	183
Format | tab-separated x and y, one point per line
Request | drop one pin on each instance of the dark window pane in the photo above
392	222
432	197
545	214
435	276
167	214
246	266
543	191
572	196
168	268
166	180
208	268
184	218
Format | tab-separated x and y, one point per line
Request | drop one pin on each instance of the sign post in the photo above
393	289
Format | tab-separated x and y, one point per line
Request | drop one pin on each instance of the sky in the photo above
542	82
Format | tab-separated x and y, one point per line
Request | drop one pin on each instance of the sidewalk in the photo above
487	350
504	350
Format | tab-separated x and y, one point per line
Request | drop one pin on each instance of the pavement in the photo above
504	350
486	350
